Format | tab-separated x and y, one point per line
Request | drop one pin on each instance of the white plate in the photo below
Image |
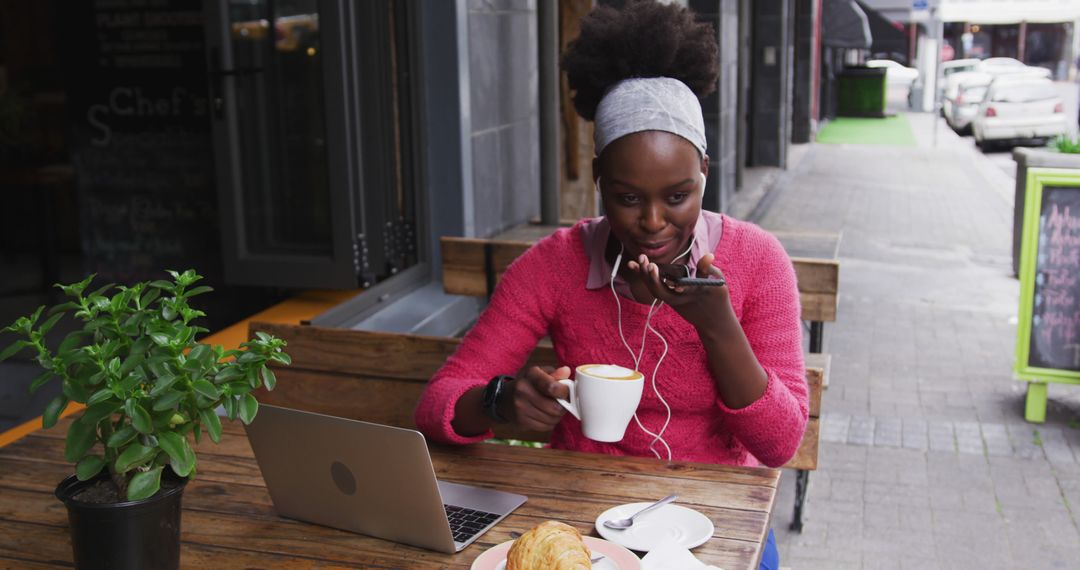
670	523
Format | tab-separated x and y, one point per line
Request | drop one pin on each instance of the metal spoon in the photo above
623	524
516	535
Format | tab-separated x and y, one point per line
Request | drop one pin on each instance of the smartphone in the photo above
681	275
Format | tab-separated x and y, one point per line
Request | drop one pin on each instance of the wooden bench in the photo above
378	377
473	266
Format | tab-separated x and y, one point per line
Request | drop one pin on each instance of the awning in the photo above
997	12
889	39
844	25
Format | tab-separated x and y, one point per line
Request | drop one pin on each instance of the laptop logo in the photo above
343	478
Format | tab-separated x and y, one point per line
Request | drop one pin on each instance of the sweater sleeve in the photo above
772	427
507	331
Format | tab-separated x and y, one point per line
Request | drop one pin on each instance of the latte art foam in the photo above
610	372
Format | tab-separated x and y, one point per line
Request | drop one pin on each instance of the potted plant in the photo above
149	390
1063	152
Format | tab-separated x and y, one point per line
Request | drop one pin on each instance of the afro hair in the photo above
642	38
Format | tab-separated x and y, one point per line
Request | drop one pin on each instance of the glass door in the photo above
298	202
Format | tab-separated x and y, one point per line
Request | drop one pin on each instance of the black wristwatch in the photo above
491	397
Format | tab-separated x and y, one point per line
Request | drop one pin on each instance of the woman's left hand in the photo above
702	307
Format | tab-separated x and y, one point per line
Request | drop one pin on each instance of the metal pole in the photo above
547	16
939	33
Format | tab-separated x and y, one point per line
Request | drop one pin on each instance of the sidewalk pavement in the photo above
926	461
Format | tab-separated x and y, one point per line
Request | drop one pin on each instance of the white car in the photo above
1019	107
896	75
964	92
1008	65
958	66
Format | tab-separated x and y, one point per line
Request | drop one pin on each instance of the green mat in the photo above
892	131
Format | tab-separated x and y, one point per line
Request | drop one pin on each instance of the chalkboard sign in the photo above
141	145
1048	333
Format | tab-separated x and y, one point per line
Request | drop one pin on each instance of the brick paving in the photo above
926	461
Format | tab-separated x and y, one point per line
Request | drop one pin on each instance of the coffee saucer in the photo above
668	524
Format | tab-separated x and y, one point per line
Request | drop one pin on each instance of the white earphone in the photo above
636	358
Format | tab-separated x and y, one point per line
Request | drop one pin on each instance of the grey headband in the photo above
649	104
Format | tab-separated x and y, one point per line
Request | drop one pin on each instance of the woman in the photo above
730	388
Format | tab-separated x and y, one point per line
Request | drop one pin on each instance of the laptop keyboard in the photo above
467	523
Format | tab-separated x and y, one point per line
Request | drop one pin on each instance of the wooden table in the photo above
229	521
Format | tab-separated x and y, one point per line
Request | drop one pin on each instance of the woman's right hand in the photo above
531	403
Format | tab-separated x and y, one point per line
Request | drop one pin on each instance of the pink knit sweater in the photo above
543	293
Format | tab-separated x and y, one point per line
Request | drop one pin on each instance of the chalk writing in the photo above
1055	323
141	141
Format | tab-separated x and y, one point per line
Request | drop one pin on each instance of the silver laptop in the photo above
368	478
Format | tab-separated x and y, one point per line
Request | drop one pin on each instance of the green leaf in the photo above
282	358
99	396
128	384
230	372
40	381
249	356
167	401
269	378
161	339
182	457
265	337
76	391
49	324
212	423
198	291
101	290
167	311
204	354
144	484
249	406
206	389
121	436
89	466
162	284
163	383
80	438
150	297
141	419
64	307
37	315
69	342
13	348
53	410
98	412
231	407
135	454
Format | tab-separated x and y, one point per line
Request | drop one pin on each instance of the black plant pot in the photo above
128	535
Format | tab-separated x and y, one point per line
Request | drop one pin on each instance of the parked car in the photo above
958	66
896	75
964	92
1019	107
1008	65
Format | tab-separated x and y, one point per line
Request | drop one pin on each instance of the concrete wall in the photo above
770	80
502	40
721	108
803	121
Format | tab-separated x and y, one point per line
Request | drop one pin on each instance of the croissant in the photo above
550	545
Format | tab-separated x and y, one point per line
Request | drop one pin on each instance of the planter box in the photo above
1032	158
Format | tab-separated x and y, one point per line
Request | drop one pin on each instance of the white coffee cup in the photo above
604	397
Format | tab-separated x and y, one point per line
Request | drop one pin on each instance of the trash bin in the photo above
861	92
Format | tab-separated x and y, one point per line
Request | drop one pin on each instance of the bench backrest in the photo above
378	377
473	266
